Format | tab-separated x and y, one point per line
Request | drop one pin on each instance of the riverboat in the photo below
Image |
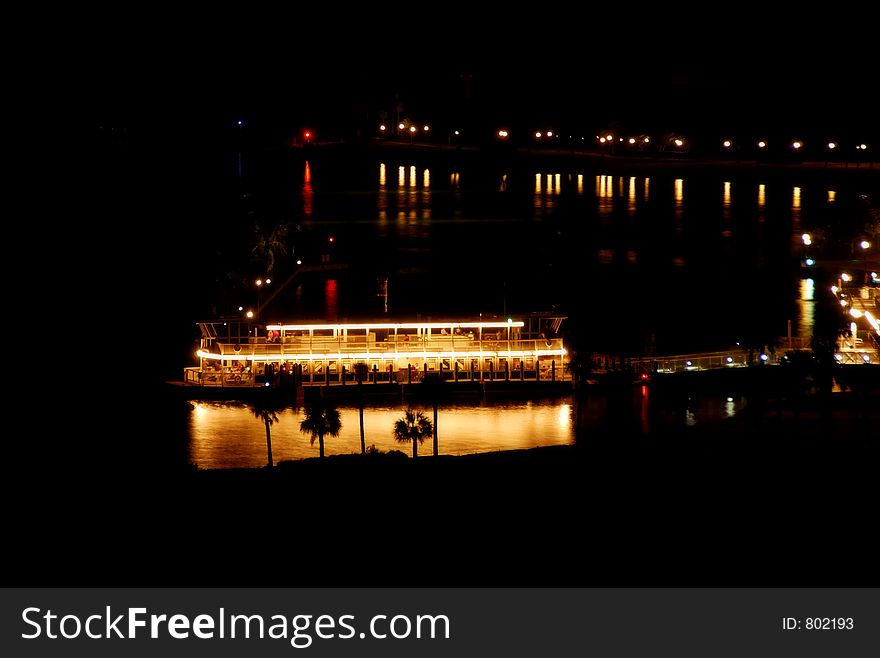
236	354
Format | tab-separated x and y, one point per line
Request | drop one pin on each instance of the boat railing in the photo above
329	345
218	377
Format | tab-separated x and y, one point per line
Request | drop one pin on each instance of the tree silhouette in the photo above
271	245
322	419
361	371
413	426
432	387
266	409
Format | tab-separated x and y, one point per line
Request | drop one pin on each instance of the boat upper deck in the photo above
378	340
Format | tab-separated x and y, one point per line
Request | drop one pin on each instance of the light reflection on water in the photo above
225	435
807	308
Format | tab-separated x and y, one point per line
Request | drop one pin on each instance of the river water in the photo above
670	260
226	435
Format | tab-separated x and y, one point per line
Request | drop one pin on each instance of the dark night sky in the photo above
671	68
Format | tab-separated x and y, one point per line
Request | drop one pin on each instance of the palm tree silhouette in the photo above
413	426
322	419
266	409
271	245
432	386
361	371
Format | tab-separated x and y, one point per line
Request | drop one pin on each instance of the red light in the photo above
644	377
308	134
332	239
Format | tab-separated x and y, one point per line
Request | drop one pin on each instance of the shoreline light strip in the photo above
406	325
369	356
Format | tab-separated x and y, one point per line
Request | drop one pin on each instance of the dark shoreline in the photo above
557	156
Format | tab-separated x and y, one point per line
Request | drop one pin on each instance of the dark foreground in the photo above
768	498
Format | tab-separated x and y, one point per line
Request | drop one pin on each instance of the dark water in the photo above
678	259
681	259
675	260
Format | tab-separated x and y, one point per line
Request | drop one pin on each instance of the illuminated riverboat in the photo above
240	354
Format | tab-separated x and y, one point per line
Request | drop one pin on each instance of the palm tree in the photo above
322	419
432	386
361	371
413	426
266	409
271	245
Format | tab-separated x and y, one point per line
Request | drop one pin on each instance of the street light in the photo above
727	144
260	283
831	146
865	245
